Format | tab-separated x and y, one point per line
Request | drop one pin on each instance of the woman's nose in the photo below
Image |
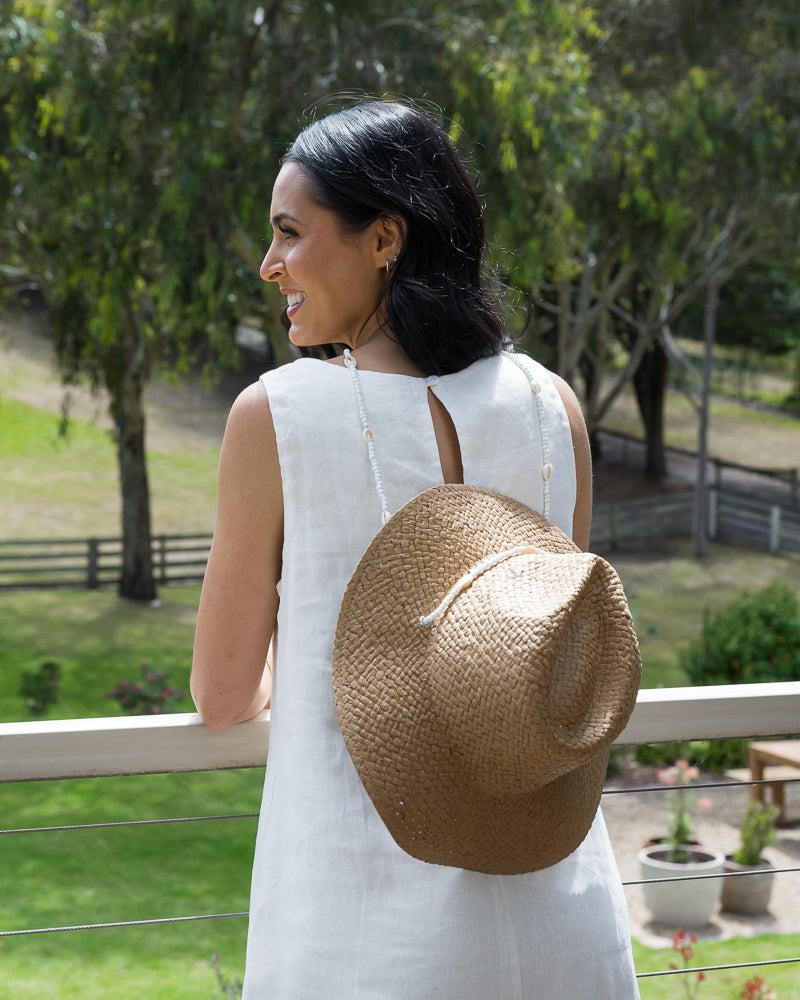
271	266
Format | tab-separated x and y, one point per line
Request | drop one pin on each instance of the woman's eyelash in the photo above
287	231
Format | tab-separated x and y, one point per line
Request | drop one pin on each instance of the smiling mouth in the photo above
293	302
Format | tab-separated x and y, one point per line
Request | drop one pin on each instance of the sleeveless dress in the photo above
338	911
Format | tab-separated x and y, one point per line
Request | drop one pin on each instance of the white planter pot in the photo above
688	903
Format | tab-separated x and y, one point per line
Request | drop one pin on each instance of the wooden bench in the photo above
782	757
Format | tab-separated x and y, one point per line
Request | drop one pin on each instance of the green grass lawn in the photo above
98	639
56	486
107	875
134	873
736	433
726	984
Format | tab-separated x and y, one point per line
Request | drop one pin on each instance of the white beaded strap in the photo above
350	363
525	367
468	578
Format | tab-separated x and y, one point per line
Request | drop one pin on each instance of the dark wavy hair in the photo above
379	159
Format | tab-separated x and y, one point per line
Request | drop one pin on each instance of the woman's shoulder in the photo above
299	370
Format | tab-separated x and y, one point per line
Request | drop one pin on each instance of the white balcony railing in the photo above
79	748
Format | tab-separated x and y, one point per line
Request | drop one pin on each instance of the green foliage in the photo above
152	695
679	822
41	687
716	756
757	832
756	638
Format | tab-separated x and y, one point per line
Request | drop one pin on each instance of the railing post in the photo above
162	557
91	569
774	528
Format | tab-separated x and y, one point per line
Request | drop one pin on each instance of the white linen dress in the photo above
338	911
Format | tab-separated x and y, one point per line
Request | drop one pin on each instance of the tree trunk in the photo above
136	579
649	383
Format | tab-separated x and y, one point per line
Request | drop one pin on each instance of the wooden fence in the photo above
736	514
654	517
733	515
630	450
93	563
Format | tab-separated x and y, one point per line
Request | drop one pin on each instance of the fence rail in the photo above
737	514
780	484
667	516
92	563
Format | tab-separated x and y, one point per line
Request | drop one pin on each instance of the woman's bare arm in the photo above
582	516
231	680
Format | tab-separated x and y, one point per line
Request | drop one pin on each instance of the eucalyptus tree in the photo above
635	153
704	104
139	141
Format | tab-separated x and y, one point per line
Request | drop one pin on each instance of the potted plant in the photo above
688	902
749	893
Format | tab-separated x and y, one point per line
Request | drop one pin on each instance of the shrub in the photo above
755	639
41	688
757	832
149	696
719	756
710	755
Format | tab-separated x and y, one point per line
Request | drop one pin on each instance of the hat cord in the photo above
369	438
469	578
521	362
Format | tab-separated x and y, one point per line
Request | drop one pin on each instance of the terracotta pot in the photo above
747	893
684	904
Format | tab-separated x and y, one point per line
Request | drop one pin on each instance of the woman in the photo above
377	245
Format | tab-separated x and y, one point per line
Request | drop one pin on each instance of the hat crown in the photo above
530	717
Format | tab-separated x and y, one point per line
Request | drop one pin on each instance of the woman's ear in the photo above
389	237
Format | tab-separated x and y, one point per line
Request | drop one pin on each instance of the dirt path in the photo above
737	433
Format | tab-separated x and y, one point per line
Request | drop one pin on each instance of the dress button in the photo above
547	471
432	380
535	388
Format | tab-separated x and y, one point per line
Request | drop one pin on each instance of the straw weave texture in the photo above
483	739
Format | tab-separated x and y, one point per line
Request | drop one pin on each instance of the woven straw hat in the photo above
482	735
